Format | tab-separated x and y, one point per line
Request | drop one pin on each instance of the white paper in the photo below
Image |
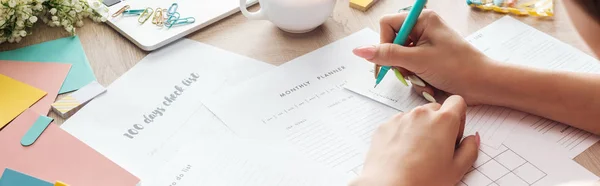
485	119
304	103
231	161
156	108
523	161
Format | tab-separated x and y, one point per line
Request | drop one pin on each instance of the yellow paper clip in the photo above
120	11
158	18
146	14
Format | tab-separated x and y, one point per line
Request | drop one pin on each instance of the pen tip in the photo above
375	86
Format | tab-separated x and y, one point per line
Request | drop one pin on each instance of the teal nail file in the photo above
36	130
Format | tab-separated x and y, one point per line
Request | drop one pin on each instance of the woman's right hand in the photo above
439	56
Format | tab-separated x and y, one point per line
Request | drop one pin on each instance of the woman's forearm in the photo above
570	98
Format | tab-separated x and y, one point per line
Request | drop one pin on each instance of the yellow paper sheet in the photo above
15	97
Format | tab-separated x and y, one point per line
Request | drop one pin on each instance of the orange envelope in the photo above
57	155
48	77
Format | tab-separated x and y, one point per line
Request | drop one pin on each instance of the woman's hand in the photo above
421	148
439	56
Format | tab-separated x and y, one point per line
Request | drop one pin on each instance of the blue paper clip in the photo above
182	21
135	12
172	17
172	9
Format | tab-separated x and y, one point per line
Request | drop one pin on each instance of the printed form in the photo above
154	111
304	102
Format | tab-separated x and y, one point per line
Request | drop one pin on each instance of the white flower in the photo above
33	19
12	3
17	39
20	23
56	23
79	23
65	22
72	13
78	8
69	28
39	6
23	33
53	11
54	18
103	19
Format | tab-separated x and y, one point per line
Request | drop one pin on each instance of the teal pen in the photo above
405	30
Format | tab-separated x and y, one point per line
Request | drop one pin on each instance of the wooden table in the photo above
111	55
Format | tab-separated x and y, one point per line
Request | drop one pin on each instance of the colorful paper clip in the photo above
135	12
146	14
172	9
172	17
120	11
158	18
182	21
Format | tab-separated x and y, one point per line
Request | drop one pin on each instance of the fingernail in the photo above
428	97
400	76
477	138
416	80
367	52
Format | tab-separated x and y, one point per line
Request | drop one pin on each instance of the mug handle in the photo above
251	15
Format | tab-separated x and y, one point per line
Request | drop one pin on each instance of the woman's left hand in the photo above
421	148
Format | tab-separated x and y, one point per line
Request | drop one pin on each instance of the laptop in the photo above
150	37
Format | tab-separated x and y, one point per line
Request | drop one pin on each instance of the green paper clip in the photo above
172	9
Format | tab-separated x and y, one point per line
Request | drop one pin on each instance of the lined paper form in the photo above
304	103
485	119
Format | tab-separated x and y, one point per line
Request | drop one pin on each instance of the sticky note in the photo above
14	178
48	77
69	104
59	183
36	130
15	97
362	5
66	50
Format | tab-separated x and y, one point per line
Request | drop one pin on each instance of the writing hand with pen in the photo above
436	61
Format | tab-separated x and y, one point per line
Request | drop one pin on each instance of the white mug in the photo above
294	16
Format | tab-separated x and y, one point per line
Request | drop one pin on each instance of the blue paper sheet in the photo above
64	50
14	178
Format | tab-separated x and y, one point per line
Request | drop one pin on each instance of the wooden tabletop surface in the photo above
111	55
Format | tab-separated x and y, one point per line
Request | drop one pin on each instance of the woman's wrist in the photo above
493	84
